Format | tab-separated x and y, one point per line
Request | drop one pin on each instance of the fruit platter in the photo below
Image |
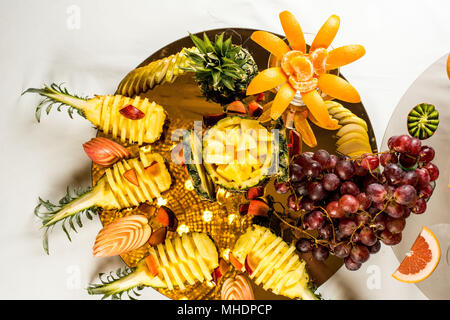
238	164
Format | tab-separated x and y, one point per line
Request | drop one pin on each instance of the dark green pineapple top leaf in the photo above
222	70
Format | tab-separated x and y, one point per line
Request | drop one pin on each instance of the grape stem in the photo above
331	222
292	226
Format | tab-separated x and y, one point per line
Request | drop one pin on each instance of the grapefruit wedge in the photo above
421	260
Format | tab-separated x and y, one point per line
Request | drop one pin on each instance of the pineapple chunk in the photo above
278	267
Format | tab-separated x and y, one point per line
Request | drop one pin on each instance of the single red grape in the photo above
330	181
405	194
433	171
349	203
376	192
370	162
395	225
416	146
360	253
402	144
351	265
349	187
390	238
342	250
320	253
426	154
420	206
314	220
281	187
304	245
344	169
334	210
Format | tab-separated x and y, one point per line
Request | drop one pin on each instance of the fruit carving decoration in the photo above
305	70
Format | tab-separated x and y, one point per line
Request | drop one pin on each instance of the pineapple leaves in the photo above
110	285
222	70
69	223
57	95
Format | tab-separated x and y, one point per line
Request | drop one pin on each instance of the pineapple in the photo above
130	120
222	70
177	262
276	266
126	184
240	153
155	73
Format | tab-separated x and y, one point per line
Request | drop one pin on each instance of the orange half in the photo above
339	88
317	107
271	43
344	55
293	31
266	80
421	260
326	33
282	100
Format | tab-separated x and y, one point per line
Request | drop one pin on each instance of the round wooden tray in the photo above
184	104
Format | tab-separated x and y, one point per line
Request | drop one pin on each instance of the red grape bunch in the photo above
350	205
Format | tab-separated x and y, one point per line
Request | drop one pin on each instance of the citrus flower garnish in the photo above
305	71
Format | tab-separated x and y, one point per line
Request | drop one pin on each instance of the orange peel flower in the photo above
305	71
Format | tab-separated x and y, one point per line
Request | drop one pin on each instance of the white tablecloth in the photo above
91	45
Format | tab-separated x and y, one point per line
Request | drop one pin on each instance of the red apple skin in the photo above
250	265
131	112
235	262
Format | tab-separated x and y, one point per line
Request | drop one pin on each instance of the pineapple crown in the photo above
55	94
52	209
219	64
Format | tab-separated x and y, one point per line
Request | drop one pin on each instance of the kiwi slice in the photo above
423	121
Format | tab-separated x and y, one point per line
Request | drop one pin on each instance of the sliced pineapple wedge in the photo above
278	267
115	191
176	263
108	113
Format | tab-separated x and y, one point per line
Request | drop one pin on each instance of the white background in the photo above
38	44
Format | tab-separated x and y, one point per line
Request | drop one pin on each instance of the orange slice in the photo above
303	68
286	61
421	260
303	86
317	107
339	88
302	126
319	59
326	33
271	43
266	80
282	100
293	31
344	55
